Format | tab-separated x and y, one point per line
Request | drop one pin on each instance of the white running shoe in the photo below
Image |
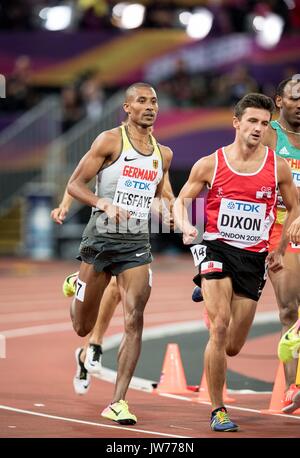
82	379
92	362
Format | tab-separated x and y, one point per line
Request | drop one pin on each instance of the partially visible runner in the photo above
283	136
88	358
130	168
242	179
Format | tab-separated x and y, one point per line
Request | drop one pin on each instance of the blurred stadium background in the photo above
65	65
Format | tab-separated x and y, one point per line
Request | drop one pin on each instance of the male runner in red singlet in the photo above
241	209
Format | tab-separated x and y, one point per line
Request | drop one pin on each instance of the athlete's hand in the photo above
293	231
167	219
189	234
274	260
59	214
117	214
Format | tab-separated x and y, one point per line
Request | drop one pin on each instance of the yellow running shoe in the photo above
289	344
118	411
69	285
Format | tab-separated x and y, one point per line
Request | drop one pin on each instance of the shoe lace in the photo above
124	405
222	417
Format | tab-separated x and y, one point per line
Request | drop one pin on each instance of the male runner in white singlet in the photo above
129	167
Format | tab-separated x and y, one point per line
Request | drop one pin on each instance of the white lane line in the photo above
35	330
230	406
166	329
34	301
195	317
91	423
156	332
64	313
34	316
171	329
138	383
2	346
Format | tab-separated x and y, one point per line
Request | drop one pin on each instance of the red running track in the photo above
36	393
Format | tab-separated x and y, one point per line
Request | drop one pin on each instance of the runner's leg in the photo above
217	297
89	291
242	315
135	290
286	284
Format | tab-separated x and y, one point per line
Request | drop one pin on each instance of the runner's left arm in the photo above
167	191
164	206
164	196
164	187
59	213
293	231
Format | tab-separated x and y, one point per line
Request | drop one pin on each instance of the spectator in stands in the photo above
227	89
94	14
21	95
295	17
181	87
92	97
160	15
15	15
72	108
177	88
240	83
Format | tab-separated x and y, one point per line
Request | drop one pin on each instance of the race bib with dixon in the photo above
241	220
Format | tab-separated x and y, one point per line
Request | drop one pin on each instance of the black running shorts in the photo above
247	269
114	256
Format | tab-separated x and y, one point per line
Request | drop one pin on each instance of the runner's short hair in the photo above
282	85
134	86
254	100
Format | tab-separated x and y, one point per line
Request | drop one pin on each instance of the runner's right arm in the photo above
201	174
104	148
59	213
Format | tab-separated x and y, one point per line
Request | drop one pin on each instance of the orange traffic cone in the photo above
278	394
172	379
204	395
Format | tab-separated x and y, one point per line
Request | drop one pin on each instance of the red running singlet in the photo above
241	207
